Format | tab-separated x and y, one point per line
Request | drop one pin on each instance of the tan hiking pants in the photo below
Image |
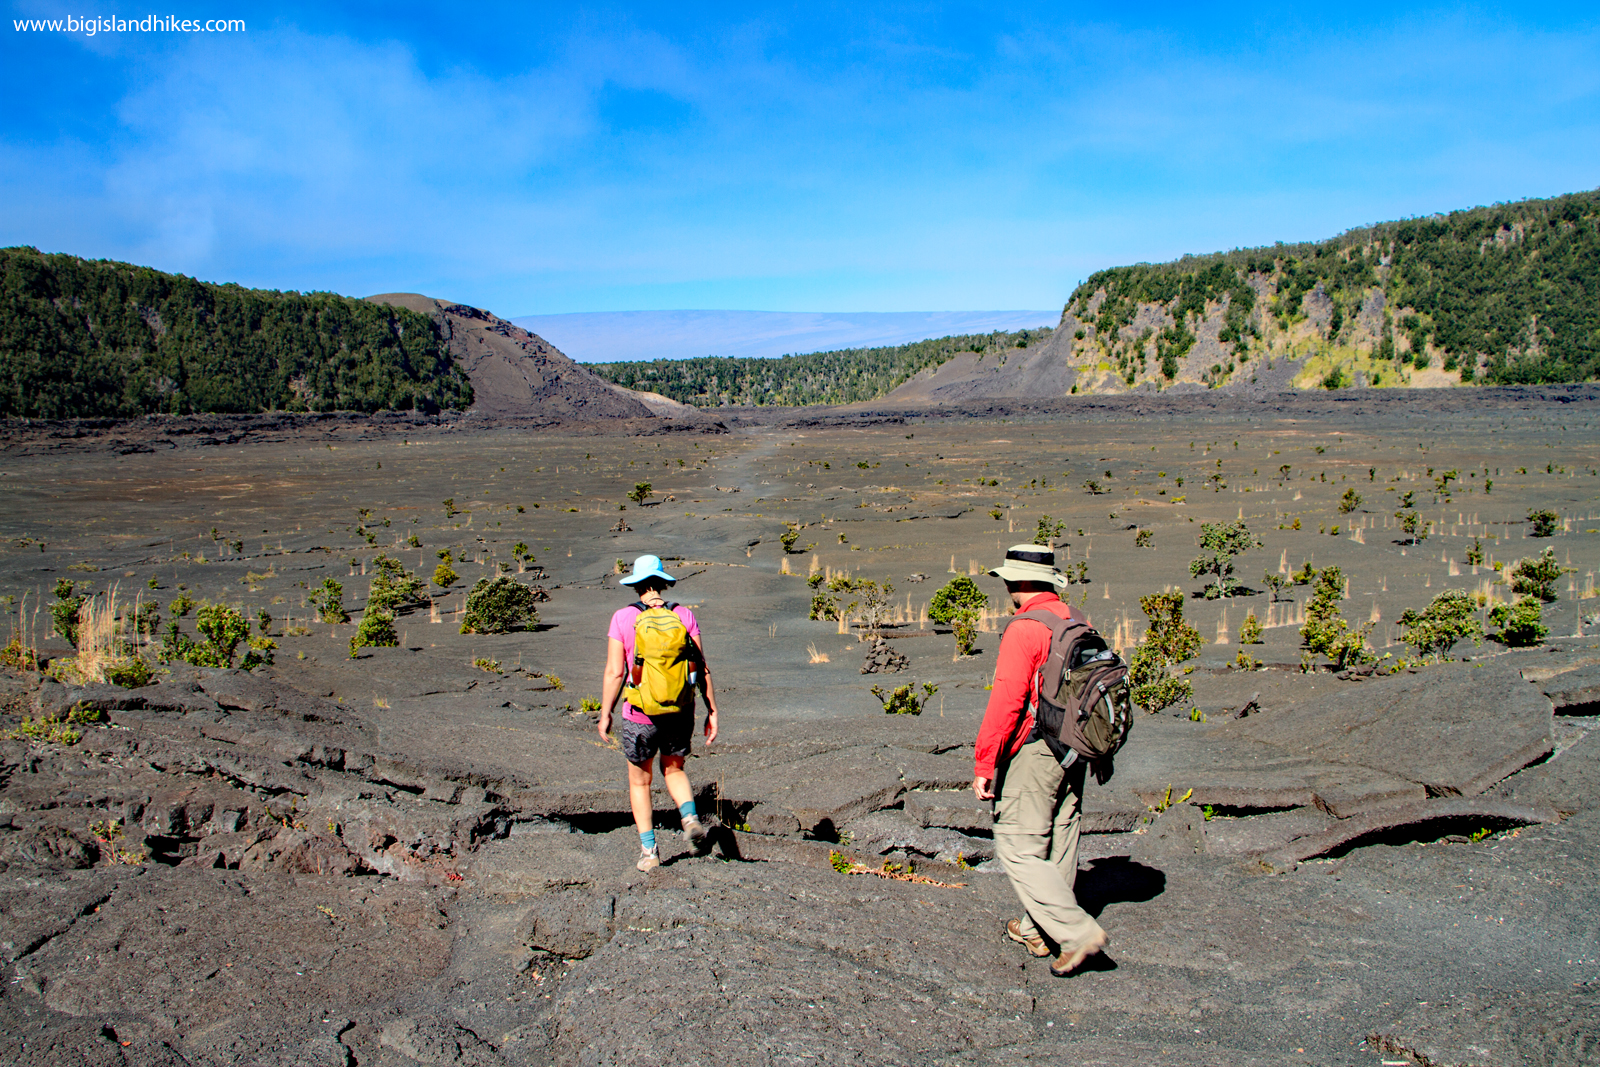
1036	840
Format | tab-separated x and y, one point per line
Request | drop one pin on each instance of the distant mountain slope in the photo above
843	377
85	337
1504	294
635	336
514	372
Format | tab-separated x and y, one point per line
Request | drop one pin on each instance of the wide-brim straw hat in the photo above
1030	563
648	567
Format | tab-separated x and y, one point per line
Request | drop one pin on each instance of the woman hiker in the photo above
653	649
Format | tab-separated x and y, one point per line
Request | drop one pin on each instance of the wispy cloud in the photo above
921	159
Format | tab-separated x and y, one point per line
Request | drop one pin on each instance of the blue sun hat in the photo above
648	567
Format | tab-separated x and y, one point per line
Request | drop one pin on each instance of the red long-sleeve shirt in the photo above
1008	720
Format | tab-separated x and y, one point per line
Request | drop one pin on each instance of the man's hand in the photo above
605	725
711	726
983	788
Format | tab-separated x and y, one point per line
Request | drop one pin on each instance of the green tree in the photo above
1350	501
328	601
1411	523
823	604
1450	617
64	611
376	630
393	587
1046	532
1250	630
1167	641
640	493
1537	576
1221	543
1545	522
1521	624
498	605
959	604
444	575
1325	632
85	338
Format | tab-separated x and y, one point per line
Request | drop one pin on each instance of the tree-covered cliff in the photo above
93	337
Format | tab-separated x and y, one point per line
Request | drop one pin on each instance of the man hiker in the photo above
653	649
1038	803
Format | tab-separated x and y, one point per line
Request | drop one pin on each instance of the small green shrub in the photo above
1411	522
260	654
223	628
1168	641
1350	501
146	619
959	604
130	673
65	610
498	605
1220	543
1537	576
376	630
1521	624
1451	617
1144	539
1545	522
56	729
1326	632
640	492
903	700
393	587
1250	630
823	605
960	595
483	663
328	601
1047	530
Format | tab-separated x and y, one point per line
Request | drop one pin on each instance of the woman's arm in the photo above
611	684
707	691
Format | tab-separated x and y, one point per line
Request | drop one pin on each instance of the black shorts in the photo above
667	735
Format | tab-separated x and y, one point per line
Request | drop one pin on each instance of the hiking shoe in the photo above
1035	944
699	837
1070	961
649	859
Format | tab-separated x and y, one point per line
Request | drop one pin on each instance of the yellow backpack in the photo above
664	659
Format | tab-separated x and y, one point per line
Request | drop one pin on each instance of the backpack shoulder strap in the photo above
1057	623
641	605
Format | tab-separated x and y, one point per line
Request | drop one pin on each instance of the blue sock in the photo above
686	810
647	840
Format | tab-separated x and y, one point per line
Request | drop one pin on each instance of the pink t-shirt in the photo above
622	630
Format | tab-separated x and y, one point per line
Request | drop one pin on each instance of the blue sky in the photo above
853	157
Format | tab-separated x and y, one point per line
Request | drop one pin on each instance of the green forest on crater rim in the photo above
840	377
1514	287
98	338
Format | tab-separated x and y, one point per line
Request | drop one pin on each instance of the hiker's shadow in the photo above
1117	880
